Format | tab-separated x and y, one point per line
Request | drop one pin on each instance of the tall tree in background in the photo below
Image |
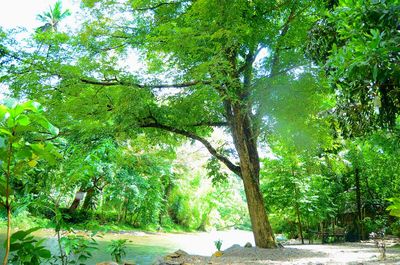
52	17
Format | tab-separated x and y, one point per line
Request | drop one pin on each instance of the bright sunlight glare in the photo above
22	13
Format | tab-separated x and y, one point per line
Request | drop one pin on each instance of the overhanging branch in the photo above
158	6
116	82
212	124
234	168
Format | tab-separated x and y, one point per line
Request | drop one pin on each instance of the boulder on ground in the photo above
176	258
177	254
232	248
248	245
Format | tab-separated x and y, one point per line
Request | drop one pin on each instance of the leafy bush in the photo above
78	249
374	225
394	208
117	249
26	249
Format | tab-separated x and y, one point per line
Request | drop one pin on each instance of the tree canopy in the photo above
314	83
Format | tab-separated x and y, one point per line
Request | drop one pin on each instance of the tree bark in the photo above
87	203
76	202
358	201
246	145
262	231
300	226
299	223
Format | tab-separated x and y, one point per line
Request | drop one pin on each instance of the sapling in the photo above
218	244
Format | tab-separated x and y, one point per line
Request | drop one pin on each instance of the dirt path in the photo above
347	253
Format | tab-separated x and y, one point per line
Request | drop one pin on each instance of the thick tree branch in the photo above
249	59
116	82
234	168
212	124
284	30
49	138
159	5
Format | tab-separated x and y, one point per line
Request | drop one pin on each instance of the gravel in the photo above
346	253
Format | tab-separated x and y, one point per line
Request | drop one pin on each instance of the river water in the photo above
144	248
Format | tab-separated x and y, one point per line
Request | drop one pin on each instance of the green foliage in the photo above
78	248
19	130
375	225
359	41
295	186
197	202
217	59
214	171
117	249
394	208
218	244
292	108
27	250
22	144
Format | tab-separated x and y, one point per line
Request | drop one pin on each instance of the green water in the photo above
144	248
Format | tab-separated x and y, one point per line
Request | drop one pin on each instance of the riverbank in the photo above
146	247
346	253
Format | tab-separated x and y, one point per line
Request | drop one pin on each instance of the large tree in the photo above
204	62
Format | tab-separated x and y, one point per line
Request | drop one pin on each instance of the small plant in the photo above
78	249
117	249
26	250
218	244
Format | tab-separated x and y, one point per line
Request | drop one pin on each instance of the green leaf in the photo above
375	72
3	111
19	235
38	148
5	131
31	105
23	120
15	246
44	253
48	126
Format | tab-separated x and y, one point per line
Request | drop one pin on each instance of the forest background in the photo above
184	115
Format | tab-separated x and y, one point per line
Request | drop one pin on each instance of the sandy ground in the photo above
346	253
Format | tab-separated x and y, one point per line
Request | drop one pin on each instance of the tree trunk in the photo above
358	201
246	145
8	239
263	235
87	203
297	208
126	208
76	202
299	223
